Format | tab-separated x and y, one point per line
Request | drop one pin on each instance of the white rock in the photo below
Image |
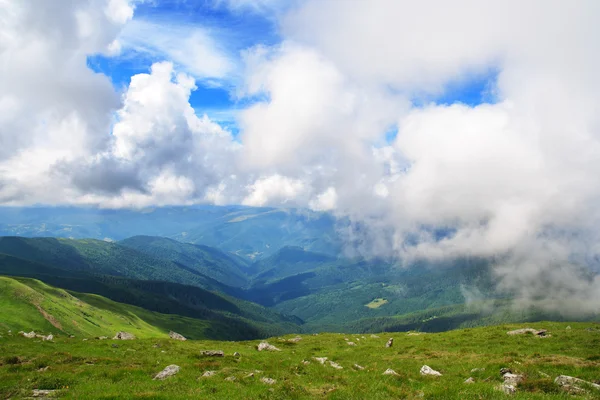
512	379
208	374
176	336
426	370
565	380
124	336
335	365
359	367
390	371
167	372
469	380
321	359
351	344
268	381
508	389
266	346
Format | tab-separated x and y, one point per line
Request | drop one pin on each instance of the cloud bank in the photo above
514	180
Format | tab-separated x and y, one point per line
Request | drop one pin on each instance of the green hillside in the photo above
106	369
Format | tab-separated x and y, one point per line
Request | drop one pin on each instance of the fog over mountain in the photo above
350	107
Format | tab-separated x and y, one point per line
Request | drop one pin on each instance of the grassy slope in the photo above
94	369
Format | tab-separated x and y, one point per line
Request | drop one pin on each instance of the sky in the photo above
479	119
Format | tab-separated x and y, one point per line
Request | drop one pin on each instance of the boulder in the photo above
268	381
176	336
266	346
124	336
236	354
390	371
504	371
390	343
575	385
469	381
208	374
29	335
167	372
540	332
508	389
212	353
426	370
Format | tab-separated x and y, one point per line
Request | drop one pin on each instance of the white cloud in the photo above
275	189
193	48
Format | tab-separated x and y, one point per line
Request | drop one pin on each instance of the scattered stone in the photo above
167	372
390	371
29	335
43	393
268	381
390	343
426	370
504	371
335	365
250	375
43	369
47	338
176	336
124	336
574	385
236	354
305	362
359	367
101	338
469	381
512	379
212	353
295	340
351	344
477	370
541	332
374	337
208	374
266	346
230	379
508	389
321	359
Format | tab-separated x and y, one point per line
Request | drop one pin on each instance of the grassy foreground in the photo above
108	369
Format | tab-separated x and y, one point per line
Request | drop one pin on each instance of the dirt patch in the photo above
49	317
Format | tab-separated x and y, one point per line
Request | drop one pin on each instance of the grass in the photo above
376	303
96	369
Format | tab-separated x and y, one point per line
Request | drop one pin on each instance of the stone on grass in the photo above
167	372
230	379
266	346
574	385
124	336
236	354
469	380
268	381
335	365
351	344
359	367
208	374
321	359
374	337
212	353
29	335
305	362
537	332
508	389
390	343
176	336
504	371
390	371
43	393
426	370
295	339
478	370
102	338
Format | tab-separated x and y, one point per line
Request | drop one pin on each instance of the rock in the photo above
71	336
236	354
477	370
84	340
295	340
541	332
213	353
321	359
101	338
390	371
268	381
426	370
508	389
335	365
351	344
208	374
359	367
167	372
176	336
570	383
512	379
43	393
374	337
250	375
124	336
390	343
43	369
504	371
414	333
29	335
346	339
266	346
469	381
230	378
305	362
568	327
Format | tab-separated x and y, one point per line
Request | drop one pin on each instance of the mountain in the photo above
209	261
249	232
240	318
